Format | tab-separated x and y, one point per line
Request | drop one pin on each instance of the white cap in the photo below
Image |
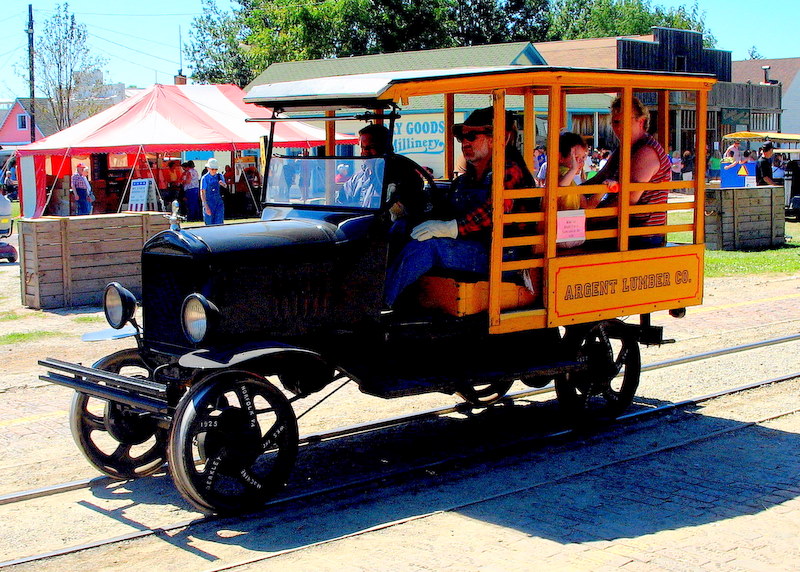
212	164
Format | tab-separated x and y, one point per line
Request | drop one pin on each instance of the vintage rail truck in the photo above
240	320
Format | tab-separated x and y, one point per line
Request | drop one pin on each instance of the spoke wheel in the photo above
606	388
117	439
483	394
233	443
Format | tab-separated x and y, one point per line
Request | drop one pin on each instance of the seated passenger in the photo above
572	150
649	164
460	239
364	189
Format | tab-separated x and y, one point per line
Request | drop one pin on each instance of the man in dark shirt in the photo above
764	165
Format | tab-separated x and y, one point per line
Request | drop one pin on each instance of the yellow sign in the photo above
742	172
595	287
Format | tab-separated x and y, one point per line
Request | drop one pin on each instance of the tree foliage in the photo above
752	54
66	71
576	19
235	47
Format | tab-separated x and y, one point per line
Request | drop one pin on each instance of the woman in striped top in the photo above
649	164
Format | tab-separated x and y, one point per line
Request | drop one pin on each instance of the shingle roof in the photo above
514	53
44	119
784	70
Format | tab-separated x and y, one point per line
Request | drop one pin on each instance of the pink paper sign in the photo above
571	226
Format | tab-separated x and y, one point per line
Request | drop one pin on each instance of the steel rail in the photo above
439	463
400	419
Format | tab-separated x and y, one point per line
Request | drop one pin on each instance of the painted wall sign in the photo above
638	281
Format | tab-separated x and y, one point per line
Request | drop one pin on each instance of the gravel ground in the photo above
37	448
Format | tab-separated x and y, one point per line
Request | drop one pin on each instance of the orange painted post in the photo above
663	119
624	198
529	129
700	164
498	171
449	154
555	112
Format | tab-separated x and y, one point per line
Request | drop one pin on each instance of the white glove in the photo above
435	229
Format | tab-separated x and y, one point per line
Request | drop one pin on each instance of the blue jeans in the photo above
217	215
418	257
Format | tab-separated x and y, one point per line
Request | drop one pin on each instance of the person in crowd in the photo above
735	151
764	165
342	173
458	236
210	194
81	189
714	165
687	171
11	185
649	164
778	168
191	189
676	165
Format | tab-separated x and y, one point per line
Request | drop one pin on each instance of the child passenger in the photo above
572	151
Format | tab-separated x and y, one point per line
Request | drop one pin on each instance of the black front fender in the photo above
301	371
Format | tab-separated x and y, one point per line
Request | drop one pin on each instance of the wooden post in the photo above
449	147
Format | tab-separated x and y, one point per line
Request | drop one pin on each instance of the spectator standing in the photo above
82	189
191	189
764	165
687	171
210	194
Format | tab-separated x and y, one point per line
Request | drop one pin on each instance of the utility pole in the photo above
32	109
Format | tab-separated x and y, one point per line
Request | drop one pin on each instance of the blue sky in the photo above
140	38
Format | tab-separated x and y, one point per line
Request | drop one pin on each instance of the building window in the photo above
680	63
764	121
22	121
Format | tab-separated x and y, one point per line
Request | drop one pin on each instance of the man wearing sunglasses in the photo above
459	237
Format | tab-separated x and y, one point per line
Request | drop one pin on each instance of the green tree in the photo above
67	73
575	19
752	54
216	48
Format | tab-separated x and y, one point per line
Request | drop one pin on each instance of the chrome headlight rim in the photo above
198	316
119	305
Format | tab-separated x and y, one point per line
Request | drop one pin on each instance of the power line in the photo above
131	49
132	36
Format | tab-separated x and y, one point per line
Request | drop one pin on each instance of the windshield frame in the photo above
335	160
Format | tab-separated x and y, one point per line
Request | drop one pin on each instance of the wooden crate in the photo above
67	261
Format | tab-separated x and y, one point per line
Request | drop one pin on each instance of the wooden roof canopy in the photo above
381	90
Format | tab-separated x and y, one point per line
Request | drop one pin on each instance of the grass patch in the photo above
21	337
782	260
89	320
6	316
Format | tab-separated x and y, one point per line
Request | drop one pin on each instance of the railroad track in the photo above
439	464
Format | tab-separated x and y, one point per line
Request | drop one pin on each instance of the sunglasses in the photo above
471	135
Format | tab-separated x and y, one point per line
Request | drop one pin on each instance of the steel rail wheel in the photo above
119	440
605	389
233	442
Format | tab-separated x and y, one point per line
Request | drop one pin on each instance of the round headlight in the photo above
197	315
119	305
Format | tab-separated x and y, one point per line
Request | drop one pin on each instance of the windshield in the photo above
325	181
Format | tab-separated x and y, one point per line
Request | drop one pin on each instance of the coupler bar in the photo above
140	393
157	390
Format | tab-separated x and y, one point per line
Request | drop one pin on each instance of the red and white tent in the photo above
161	119
178	118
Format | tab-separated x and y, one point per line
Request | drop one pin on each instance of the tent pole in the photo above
130	178
53	186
